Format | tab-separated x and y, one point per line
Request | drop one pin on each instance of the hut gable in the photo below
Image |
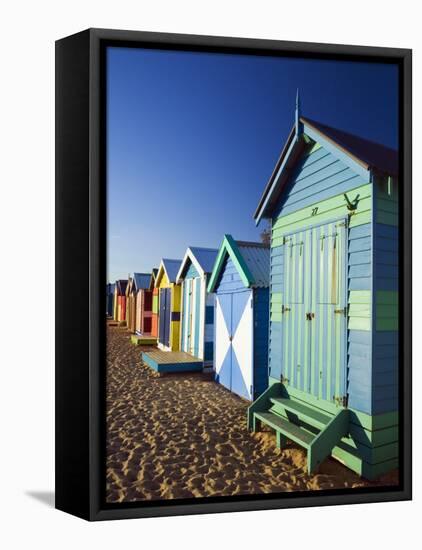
121	285
167	272
141	281
152	278
197	262
319	162
129	287
247	262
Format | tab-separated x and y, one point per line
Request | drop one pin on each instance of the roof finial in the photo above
297	114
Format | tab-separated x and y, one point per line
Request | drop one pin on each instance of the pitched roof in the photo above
171	268
141	280
369	155
202	258
252	260
257	258
121	285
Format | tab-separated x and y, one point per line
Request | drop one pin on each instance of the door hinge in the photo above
342	310
284	309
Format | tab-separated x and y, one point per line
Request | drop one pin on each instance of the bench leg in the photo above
280	440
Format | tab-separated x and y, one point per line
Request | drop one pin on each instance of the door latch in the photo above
310	316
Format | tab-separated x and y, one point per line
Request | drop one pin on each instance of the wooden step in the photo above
290	430
304	412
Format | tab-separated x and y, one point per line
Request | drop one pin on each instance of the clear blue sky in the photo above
192	139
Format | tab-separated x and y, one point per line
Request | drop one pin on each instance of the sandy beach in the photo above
182	436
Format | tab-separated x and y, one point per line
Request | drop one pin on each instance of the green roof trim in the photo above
230	248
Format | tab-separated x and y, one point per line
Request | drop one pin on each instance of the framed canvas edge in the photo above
96	509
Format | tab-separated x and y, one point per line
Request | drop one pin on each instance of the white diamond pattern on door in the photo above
242	343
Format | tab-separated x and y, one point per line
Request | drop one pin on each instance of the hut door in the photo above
234	342
329	302
314	314
165	306
196	317
296	306
190	315
186	319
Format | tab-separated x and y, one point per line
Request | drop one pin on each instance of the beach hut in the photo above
168	305
109	299
168	357
197	323
137	282
142	320
332	201
240	281
119	309
154	313
130	305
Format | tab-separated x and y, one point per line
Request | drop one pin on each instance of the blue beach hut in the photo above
240	281
197	305
332	201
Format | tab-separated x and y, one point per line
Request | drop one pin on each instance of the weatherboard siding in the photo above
386	305
318	175
325	211
229	280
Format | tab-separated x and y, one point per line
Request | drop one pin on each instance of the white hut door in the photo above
242	343
234	342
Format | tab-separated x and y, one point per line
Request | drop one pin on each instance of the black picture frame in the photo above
81	262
